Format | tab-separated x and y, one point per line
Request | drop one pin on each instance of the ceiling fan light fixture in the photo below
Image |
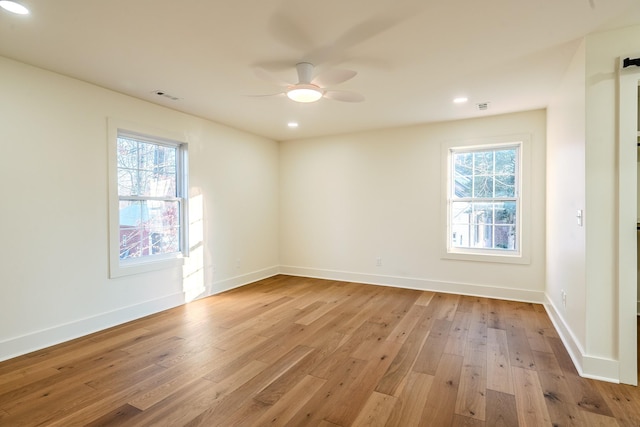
304	93
14	7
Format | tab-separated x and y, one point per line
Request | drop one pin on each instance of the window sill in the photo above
484	257
122	269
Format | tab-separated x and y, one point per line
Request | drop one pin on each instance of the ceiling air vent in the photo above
165	95
483	106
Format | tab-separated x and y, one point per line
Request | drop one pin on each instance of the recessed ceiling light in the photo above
460	100
14	7
292	124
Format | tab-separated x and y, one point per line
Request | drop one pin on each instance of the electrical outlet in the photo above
564	298
379	262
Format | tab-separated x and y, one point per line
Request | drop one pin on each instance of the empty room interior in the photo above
299	213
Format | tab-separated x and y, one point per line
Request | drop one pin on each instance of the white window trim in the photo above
522	255
118	267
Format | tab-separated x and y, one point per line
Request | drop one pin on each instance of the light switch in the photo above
579	217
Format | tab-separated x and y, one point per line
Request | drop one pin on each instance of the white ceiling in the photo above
412	56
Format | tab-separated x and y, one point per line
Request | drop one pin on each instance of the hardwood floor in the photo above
306	352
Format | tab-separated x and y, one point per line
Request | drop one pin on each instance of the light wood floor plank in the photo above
117	417
562	409
232	409
204	395
376	411
530	403
501	409
471	401
499	376
519	350
291	402
402	330
429	357
331	393
457	341
441	401
462	421
622	399
344	412
409	405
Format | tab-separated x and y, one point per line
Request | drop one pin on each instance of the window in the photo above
483	202
148	206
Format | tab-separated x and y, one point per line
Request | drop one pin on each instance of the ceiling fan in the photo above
310	88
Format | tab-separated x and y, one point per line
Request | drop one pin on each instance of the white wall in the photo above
607	314
347	200
585	168
54	281
566	250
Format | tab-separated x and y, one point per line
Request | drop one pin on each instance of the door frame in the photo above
628	80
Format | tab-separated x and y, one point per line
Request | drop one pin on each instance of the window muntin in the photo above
148	196
484	203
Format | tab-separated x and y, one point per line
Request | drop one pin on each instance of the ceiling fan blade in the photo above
269	95
344	96
265	75
369	28
333	77
288	30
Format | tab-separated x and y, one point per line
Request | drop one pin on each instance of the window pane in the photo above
127	182
506	162
164	218
127	167
482	213
147	156
127	153
463	186
460	234
505	186
461	213
155	184
134	218
168	157
483	163
146	170
463	163
149	227
483	186
505	237
505	213
483	236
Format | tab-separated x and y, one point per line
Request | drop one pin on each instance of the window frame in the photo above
521	253
117	266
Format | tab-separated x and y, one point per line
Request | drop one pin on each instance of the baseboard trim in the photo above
597	368
39	340
245	279
418	284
